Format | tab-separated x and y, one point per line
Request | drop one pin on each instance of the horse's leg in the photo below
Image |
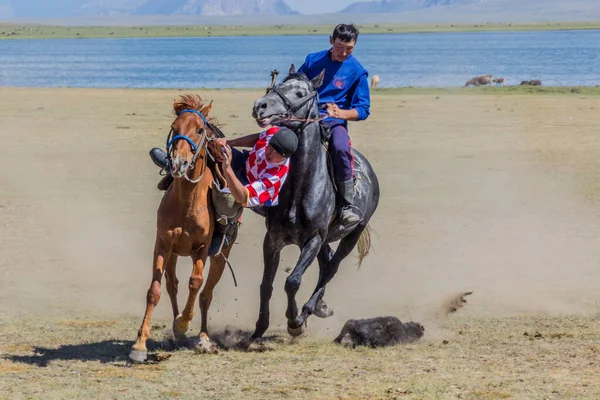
172	282
182	321
162	252
345	247
271	253
292	284
172	289
217	266
324	257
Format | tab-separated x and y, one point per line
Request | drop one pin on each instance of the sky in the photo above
302	6
319	6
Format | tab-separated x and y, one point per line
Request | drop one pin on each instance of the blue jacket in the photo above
345	83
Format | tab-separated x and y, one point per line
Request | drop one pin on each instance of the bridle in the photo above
174	137
292	107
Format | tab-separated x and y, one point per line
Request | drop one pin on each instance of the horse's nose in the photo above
183	166
179	166
260	106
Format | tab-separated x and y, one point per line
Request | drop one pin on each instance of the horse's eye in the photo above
299	95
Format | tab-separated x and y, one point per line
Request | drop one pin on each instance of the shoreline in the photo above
10	31
407	90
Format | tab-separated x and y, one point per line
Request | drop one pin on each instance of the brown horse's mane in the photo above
192	102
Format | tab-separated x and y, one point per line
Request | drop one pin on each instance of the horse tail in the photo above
364	244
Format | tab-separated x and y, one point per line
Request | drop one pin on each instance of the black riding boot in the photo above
221	234
351	214
159	157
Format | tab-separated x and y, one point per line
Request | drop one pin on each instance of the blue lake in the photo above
561	58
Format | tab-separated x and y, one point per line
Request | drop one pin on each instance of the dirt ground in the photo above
491	193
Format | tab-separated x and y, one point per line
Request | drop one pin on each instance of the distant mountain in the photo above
265	12
398	6
107	7
70	8
214	7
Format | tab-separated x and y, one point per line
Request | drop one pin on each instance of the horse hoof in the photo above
322	310
296	331
205	346
244	344
138	356
259	346
180	327
169	343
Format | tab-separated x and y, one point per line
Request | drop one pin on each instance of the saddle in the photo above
325	133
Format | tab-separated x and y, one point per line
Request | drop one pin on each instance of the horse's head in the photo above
289	103
189	133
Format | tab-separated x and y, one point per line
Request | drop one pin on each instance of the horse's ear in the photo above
317	81
292	69
206	109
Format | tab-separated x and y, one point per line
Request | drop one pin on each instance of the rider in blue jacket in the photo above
344	96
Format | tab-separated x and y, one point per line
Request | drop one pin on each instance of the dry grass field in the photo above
490	192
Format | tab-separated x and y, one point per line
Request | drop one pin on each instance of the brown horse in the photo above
185	224
479	80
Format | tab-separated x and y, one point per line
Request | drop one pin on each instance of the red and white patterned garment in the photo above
265	178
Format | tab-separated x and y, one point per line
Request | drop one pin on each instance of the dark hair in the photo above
346	33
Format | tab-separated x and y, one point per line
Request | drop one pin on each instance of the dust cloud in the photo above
502	204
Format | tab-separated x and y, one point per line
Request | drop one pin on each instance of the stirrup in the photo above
218	243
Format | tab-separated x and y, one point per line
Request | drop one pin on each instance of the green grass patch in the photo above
31	31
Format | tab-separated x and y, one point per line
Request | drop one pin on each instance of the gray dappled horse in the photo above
308	211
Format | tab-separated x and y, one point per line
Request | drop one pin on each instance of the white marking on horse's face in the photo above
178	166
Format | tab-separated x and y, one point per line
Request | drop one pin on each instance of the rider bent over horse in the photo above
253	178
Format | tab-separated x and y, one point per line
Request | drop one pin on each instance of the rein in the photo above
307	120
